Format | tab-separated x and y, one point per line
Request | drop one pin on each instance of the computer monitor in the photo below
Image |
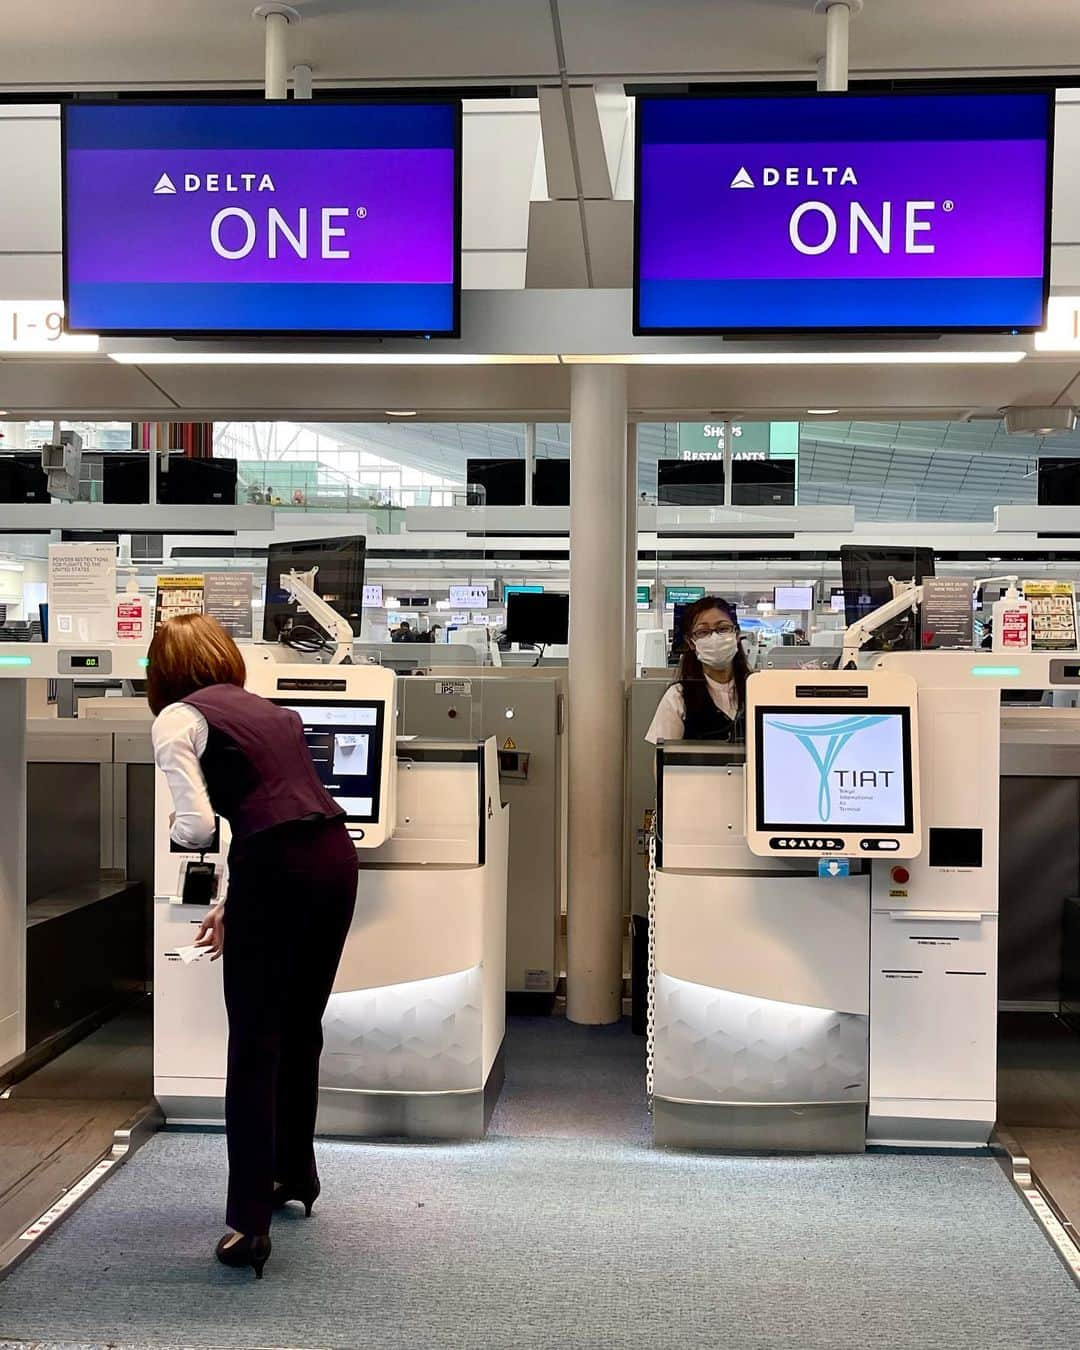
787	598
832	764
1059	480
551	482
346	743
539	620
495	482
125	478
867	571
339	581
22	479
867	786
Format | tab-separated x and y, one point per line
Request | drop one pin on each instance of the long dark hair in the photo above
691	676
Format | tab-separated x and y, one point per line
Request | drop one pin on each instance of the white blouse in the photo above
669	724
179	736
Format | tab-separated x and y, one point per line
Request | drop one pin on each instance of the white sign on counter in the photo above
82	593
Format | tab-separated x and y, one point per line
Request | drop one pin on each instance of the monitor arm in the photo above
301	588
863	629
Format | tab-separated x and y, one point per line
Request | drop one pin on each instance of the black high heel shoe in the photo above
306	1195
248	1251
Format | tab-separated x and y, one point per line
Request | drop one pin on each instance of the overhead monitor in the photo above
22	479
495	482
339	581
469	597
522	590
832	764
211	219
538	620
854	212
125	477
700	482
786	598
551	482
1058	478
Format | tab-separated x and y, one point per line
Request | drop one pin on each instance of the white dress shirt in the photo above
669	724
179	735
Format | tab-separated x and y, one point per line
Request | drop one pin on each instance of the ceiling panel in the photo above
784	37
126	43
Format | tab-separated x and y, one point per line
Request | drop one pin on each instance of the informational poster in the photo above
1053	615
947	616
82	593
227	598
178	595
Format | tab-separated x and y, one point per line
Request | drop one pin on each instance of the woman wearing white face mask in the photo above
706	702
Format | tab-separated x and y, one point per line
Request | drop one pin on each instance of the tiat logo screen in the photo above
843	212
276	218
847	771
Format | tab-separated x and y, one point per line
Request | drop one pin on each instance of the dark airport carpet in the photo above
534	1238
569	1082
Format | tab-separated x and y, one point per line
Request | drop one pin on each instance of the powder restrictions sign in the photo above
82	593
947	617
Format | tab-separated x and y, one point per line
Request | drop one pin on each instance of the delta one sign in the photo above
262	218
890	212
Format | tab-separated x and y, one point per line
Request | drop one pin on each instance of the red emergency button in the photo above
901	876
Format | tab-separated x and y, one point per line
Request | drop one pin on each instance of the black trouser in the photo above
292	890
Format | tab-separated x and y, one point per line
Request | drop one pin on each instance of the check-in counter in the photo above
414	1027
760	1021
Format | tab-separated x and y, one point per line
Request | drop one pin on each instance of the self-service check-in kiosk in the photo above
414	1027
760	1019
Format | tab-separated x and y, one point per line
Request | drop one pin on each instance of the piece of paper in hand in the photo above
189	954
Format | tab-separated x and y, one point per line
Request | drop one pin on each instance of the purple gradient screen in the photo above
842	212
279	218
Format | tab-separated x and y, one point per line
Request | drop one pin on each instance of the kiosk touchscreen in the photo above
349	724
832	764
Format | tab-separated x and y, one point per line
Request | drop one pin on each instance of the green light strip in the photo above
996	672
15	660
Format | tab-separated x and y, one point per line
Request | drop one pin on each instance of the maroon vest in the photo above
257	765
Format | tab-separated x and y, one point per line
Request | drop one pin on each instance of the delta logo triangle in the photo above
164	185
742	179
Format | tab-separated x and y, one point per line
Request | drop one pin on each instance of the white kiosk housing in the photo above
414	1027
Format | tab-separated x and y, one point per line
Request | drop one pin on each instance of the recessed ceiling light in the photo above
822	412
400	412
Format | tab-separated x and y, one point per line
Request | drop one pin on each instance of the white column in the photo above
277	54
833	70
598	604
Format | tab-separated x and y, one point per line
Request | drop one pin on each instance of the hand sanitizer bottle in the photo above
1012	621
131	614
